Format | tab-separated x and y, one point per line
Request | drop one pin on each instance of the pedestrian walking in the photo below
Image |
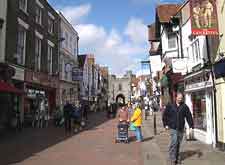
123	115
67	110
174	120
137	122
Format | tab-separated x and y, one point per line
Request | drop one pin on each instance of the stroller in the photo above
122	132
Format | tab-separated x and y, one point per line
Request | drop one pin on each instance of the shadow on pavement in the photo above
189	153
16	147
148	139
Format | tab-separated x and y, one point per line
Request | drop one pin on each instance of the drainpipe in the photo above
214	89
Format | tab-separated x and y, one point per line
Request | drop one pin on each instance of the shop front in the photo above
68	92
199	98
10	99
40	88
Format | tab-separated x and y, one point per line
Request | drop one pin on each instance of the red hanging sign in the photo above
204	17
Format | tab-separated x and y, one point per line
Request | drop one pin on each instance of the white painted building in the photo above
68	61
198	81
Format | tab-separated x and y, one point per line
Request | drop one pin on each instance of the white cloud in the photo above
119	51
75	14
136	30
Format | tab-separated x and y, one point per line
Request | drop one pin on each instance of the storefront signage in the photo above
204	17
41	78
19	73
199	85
179	65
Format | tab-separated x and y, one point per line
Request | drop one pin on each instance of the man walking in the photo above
174	119
67	110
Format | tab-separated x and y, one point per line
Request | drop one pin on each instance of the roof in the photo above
151	32
165	11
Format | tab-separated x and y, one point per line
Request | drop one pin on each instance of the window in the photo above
23	5
120	87
75	48
50	50
21	46
199	110
172	41
38	17
37	54
66	39
50	25
71	44
196	51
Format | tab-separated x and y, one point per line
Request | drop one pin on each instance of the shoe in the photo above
178	161
172	162
138	141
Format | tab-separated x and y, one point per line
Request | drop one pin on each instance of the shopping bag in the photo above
132	127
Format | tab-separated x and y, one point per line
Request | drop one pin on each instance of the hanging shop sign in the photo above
179	65
204	17
77	74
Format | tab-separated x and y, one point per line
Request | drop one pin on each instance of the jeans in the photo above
138	134
174	148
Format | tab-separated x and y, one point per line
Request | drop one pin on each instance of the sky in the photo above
115	31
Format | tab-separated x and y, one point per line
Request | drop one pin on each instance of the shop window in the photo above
199	110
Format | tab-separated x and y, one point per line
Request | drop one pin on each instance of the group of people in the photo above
132	115
174	116
78	113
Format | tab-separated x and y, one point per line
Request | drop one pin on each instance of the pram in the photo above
122	132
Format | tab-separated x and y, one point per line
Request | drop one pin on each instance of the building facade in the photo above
68	61
32	49
119	89
3	12
219	68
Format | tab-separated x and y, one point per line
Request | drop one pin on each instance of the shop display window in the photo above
199	110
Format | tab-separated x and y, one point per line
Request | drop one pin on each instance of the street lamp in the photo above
154	111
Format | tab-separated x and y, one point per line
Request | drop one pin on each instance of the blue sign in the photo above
77	74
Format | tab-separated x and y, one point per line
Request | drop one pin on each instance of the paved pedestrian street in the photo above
96	146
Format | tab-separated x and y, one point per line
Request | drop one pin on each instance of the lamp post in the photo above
154	112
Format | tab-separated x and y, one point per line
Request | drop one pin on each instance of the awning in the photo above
6	87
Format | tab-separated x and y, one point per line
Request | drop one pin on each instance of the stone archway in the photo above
120	98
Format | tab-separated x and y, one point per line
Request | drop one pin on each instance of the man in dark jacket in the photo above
67	110
174	120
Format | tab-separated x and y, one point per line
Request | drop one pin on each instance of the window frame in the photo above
172	40
22	45
24	8
50	25
38	18
50	54
38	52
